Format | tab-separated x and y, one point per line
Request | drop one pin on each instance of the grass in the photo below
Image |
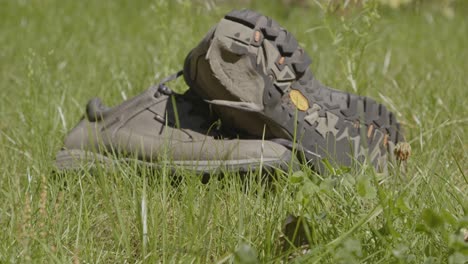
55	55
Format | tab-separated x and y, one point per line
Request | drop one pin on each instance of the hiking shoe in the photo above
257	78
154	129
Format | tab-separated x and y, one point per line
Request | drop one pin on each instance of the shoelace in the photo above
162	88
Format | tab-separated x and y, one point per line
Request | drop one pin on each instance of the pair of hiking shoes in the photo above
252	101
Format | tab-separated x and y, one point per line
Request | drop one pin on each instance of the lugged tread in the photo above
287	45
270	33
358	116
245	17
301	66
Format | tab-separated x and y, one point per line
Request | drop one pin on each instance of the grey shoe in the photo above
255	74
155	130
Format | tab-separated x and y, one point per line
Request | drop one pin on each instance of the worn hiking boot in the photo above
154	129
257	78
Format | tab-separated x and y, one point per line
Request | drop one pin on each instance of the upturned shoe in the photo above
258	80
154	130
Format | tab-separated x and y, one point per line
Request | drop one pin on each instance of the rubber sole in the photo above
67	160
342	127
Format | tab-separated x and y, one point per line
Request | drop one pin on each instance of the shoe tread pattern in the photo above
360	116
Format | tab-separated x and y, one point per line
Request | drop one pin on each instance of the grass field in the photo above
55	55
